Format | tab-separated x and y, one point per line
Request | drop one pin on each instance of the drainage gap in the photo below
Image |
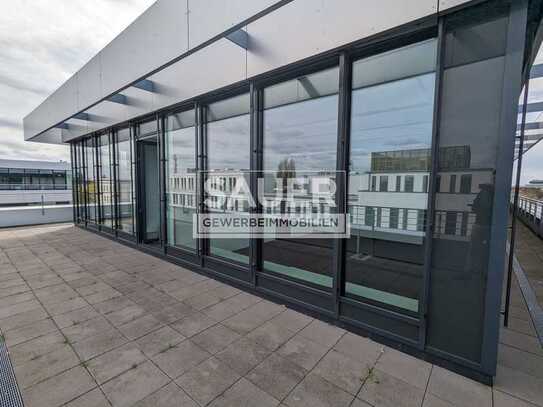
10	396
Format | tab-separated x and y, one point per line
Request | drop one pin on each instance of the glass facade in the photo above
181	179
391	135
467	169
227	132
414	134
300	144
106	181
90	185
125	182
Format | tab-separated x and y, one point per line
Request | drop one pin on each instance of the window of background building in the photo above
181	166
452	184
392	104
409	183
465	184
300	141
398	183
383	183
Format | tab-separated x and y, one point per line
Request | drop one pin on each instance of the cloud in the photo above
15	124
42	44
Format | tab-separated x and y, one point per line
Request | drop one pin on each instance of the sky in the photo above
42	44
532	162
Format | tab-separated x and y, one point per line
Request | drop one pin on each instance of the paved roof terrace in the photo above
89	322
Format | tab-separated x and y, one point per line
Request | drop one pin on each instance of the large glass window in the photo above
79	182
181	185
106	181
125	182
391	134
90	180
228	161
300	142
60	179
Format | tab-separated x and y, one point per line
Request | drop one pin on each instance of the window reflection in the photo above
181	179
300	142
228	164
106	179
79	182
391	133
125	182
468	151
90	181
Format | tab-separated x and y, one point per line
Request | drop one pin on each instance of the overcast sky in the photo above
42	44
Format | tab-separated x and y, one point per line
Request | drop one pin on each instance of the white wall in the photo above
25	197
33	215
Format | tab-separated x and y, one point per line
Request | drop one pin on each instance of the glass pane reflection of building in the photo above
300	142
391	134
181	179
106	190
90	179
228	162
125	182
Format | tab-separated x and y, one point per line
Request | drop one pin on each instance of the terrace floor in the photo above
91	323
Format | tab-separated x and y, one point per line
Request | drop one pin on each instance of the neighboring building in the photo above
35	192
415	103
25	182
535	183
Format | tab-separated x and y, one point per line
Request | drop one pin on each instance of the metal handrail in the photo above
35	187
530	211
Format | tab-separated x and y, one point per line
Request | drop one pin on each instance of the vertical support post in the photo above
83	144
162	179
514	212
259	138
74	200
432	186
114	168
198	198
254	174
97	181
201	119
136	195
342	166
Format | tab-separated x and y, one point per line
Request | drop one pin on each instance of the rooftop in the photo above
88	321
32	164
